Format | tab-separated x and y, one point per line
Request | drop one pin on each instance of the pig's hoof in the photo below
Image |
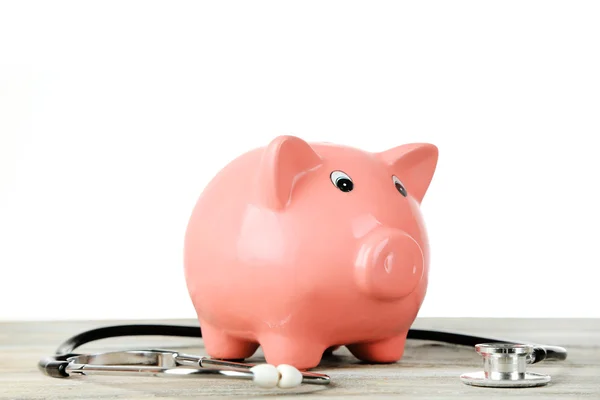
383	351
301	354
226	347
389	265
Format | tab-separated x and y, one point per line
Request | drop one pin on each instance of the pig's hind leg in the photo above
383	351
219	344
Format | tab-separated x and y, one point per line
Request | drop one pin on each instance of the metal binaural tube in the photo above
215	364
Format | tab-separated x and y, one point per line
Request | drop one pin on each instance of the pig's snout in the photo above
389	264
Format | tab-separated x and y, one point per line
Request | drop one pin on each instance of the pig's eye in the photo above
399	186
342	181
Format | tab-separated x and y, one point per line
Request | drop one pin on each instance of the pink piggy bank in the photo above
301	247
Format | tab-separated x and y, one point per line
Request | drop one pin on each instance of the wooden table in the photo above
428	370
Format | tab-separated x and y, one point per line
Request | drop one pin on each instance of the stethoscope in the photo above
504	362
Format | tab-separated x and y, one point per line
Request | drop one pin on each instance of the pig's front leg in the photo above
383	351
301	353
223	346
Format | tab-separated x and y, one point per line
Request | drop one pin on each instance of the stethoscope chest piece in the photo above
504	366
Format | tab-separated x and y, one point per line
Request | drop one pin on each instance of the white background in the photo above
114	115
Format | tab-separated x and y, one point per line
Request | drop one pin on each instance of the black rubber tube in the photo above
107	332
540	352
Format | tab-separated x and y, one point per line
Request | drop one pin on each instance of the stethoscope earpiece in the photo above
171	363
283	376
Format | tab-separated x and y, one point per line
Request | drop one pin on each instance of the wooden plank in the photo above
428	370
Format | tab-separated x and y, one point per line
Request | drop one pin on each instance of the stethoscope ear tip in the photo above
265	375
290	376
269	376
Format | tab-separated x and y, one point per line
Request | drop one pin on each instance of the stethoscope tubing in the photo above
57	364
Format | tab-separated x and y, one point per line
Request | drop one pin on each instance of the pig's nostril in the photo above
388	262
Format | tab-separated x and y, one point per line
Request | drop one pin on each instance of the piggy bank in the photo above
300	248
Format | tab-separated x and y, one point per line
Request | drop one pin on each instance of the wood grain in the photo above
428	370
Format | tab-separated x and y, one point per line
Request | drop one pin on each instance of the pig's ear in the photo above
284	160
414	164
